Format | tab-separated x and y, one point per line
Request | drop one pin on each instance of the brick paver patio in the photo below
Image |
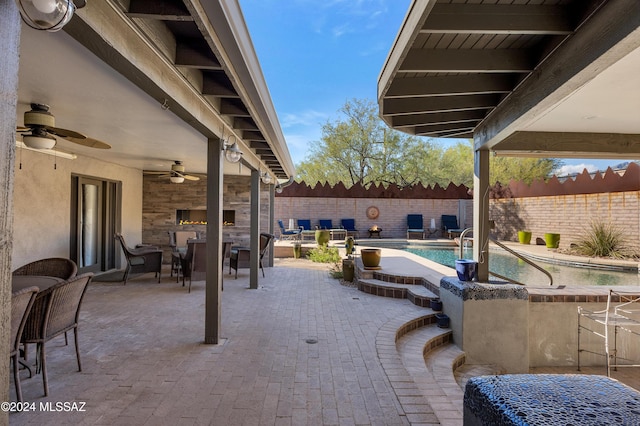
144	361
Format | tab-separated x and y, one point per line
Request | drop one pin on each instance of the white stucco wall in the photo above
42	203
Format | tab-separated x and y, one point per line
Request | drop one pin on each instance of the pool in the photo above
510	266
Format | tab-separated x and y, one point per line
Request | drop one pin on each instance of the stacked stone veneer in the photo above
162	199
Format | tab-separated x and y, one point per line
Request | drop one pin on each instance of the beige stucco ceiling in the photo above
88	95
555	78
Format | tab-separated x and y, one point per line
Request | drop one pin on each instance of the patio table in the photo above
20	282
338	231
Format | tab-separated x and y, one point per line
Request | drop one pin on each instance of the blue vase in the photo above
442	320
466	269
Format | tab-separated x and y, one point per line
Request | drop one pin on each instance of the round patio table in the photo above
20	282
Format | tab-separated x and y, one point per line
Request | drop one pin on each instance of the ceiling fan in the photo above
176	175
40	128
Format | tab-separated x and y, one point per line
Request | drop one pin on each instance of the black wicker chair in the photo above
141	260
240	255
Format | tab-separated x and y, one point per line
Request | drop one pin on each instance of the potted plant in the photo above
435	304
297	250
371	257
348	270
322	236
552	240
466	269
524	237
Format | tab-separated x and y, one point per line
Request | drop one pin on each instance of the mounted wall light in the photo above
266	178
48	15
231	151
279	189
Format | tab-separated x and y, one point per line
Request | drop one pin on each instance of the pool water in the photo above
510	266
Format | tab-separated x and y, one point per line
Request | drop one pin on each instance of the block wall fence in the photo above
567	215
566	207
392	217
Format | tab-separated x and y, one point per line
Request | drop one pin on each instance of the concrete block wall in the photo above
568	215
392	218
162	199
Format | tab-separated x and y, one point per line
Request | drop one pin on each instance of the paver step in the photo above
416	293
429	357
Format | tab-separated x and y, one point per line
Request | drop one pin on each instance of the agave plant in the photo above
602	239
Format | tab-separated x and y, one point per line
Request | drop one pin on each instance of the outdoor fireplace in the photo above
199	217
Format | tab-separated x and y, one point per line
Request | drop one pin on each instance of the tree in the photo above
360	148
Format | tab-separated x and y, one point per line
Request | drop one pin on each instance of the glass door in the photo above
94	212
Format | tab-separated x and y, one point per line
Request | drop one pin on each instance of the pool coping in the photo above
397	272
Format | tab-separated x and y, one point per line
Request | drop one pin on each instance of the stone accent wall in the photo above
162	199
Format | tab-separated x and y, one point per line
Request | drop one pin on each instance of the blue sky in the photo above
317	54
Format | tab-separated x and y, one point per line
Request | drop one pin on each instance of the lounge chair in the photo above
288	234
141	260
325	223
336	233
415	225
450	226
349	225
305	229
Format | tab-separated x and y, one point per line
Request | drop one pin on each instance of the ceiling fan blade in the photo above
88	142
153	172
65	133
22	129
189	177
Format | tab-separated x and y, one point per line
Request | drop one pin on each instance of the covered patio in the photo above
159	82
551	79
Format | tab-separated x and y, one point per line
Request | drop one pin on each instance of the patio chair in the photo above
194	262
55	311
450	225
21	303
240	255
415	225
59	267
178	245
141	260
287	234
305	229
325	223
349	225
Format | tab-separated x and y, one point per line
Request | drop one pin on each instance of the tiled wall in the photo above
161	199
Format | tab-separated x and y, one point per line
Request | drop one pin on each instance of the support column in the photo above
213	287
254	244
481	213
9	64
272	212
